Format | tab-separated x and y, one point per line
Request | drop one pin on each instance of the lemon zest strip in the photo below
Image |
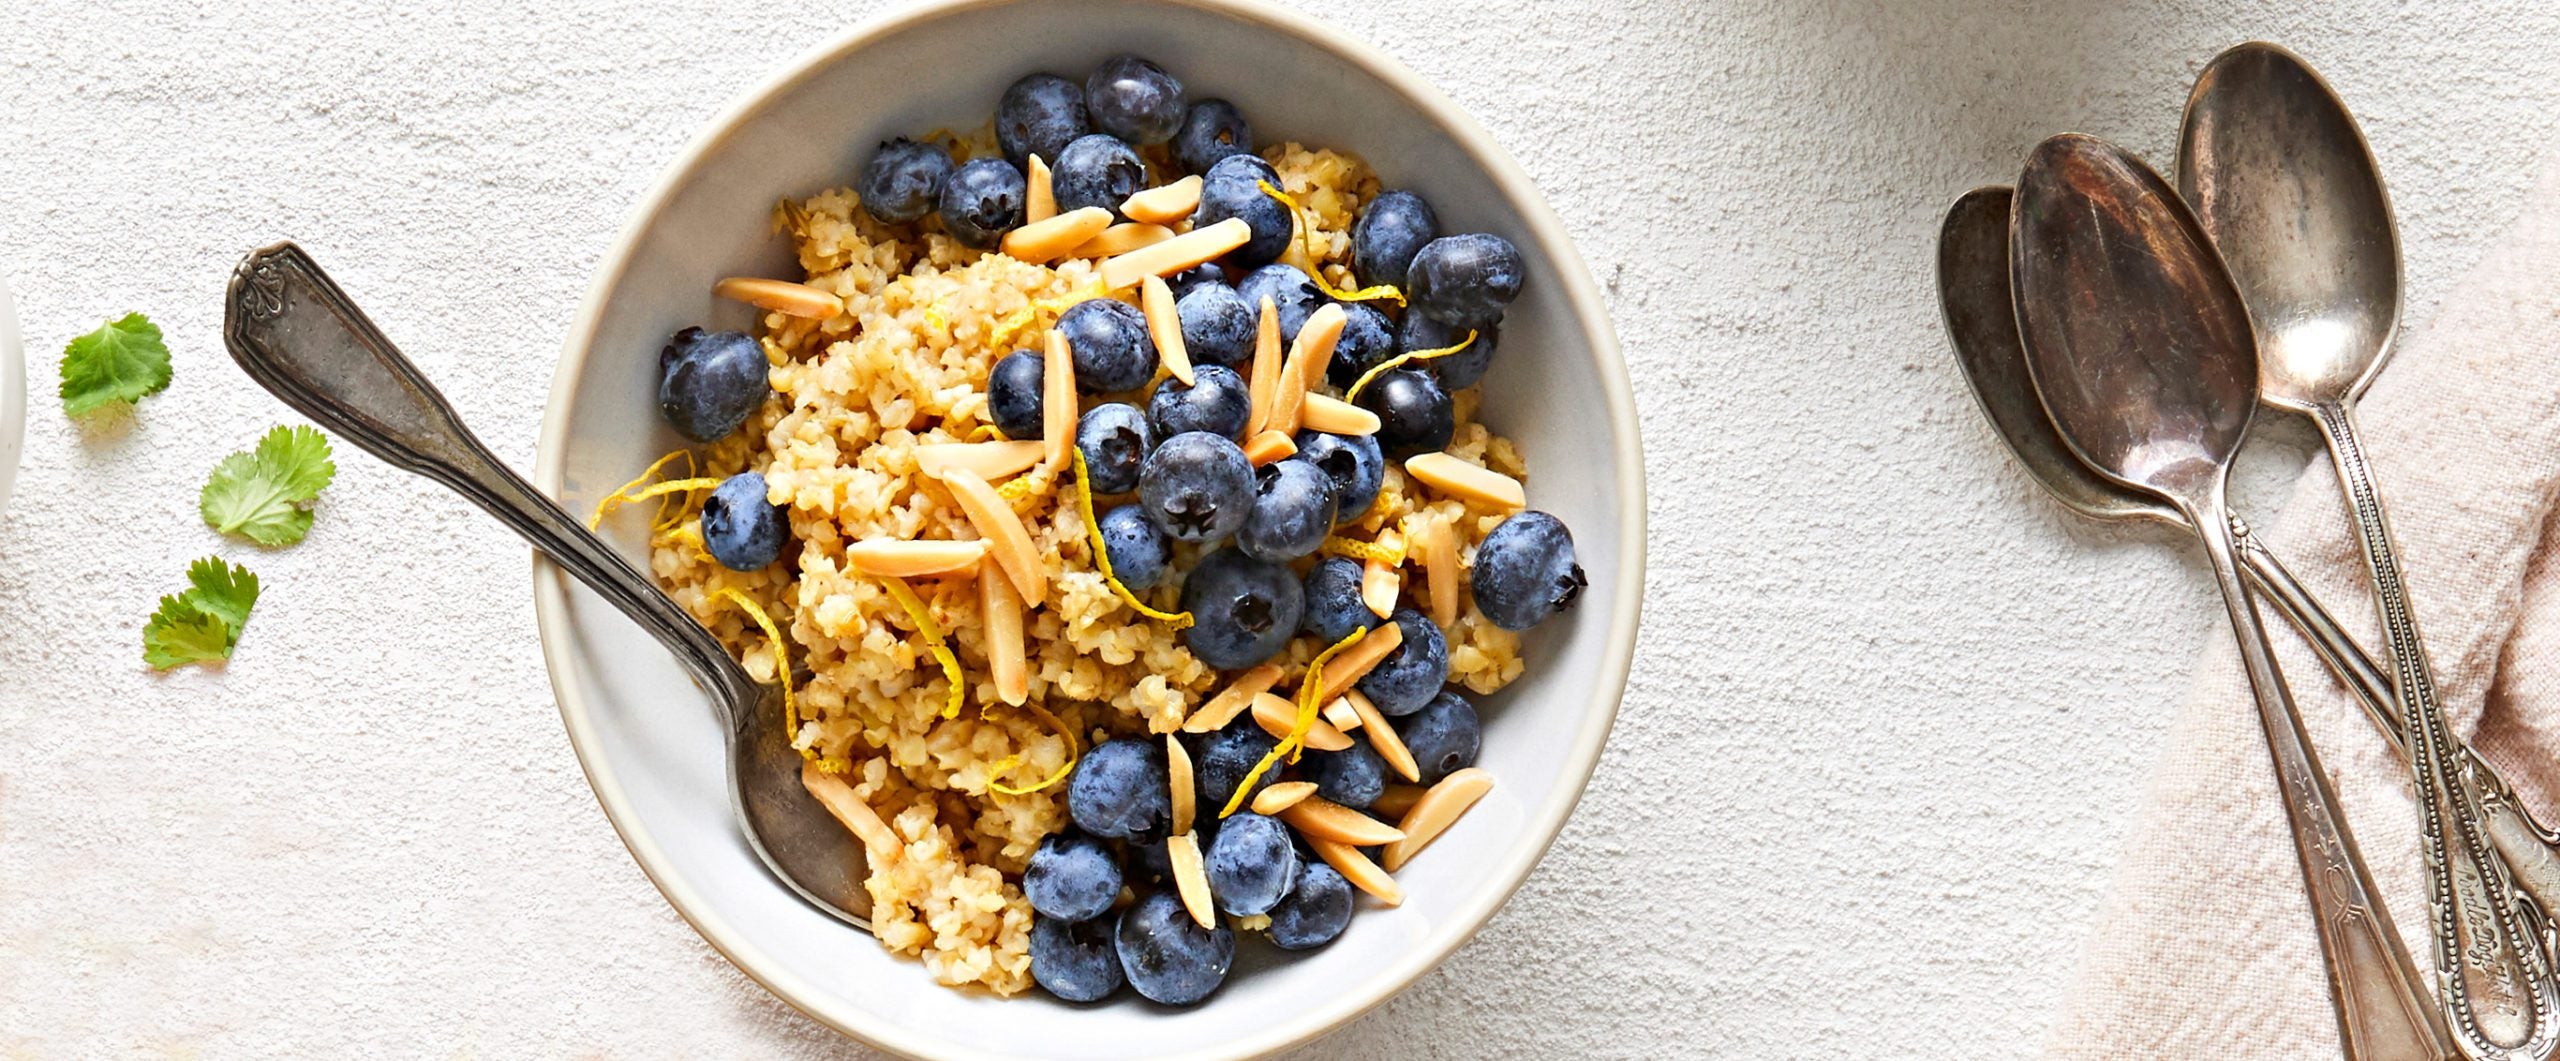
1102	555
641	489
1398	361
1310	685
932	631
988	433
781	668
1373	291
1060	774
1360	550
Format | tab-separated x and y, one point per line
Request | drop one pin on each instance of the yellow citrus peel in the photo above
1365	294
1310	686
988	433
1060	774
1102	556
1393	363
1360	550
781	666
641	489
932	631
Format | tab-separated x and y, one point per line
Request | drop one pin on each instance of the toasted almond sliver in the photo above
1008	541
1318	818
1355	662
1039	203
1465	481
1264	380
1164	204
1382	737
1439	548
1000	608
1396	800
1178	767
913	559
1308	356
1121	239
1267	447
1326	413
1164	325
833	793
1174	255
1433	813
1041	242
1340	714
1058	401
1380	584
991	460
780	296
1231	701
1356	868
1277	715
1281	796
1191	878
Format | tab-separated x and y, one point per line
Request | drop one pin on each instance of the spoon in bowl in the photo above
298	335
2141	350
2282	182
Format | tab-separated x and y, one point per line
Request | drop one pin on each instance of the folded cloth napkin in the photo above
2204	947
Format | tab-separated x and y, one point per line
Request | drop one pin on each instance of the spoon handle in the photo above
2382	1004
292	329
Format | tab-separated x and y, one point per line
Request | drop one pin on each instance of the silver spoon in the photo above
299	336
2141	350
1973	292
2281	180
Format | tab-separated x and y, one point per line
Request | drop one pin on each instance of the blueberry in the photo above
1251	864
1233	188
710	382
1071	877
1197	486
1226	758
982	201
1443	737
1217	325
1217	400
1114	439
1291	293
1354	777
1524	571
1242	609
1465	280
1457	371
1355	465
1039	115
1075	960
903	179
1292	512
1013	394
1139	552
1315	911
1096	170
740	528
1211	131
1412	674
1334	608
1414	414
1112	349
1368	340
1134	99
1148	863
1203	273
1391	229
1119	790
1167	956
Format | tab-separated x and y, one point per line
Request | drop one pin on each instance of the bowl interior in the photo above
645	735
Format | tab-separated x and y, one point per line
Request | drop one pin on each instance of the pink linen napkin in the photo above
2204	947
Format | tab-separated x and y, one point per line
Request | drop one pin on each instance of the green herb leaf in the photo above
123	361
202	624
224	591
264	495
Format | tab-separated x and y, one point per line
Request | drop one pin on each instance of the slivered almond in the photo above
1279	797
1355	662
1164	325
1039	202
1432	814
1383	737
1340	714
1308	356
1356	868
1000	608
913	559
1465	481
833	793
1267	447
991	460
1380	584
1121	239
1396	800
780	296
1164	204
1176	254
1058	401
1041	242
1318	818
1191	878
1231	701
1439	547
1277	715
1264	380
1178	767
1323	412
1008	541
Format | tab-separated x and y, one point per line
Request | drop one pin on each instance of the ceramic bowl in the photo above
646	738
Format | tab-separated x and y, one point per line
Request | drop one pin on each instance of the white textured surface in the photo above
1886	725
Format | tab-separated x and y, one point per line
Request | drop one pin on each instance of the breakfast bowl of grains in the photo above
1183	482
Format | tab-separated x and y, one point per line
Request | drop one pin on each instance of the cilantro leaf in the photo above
264	495
123	361
203	624
224	591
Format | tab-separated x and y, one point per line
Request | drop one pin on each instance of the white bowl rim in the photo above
551	584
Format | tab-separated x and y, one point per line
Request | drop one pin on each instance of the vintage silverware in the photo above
303	339
2141	349
2282	182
